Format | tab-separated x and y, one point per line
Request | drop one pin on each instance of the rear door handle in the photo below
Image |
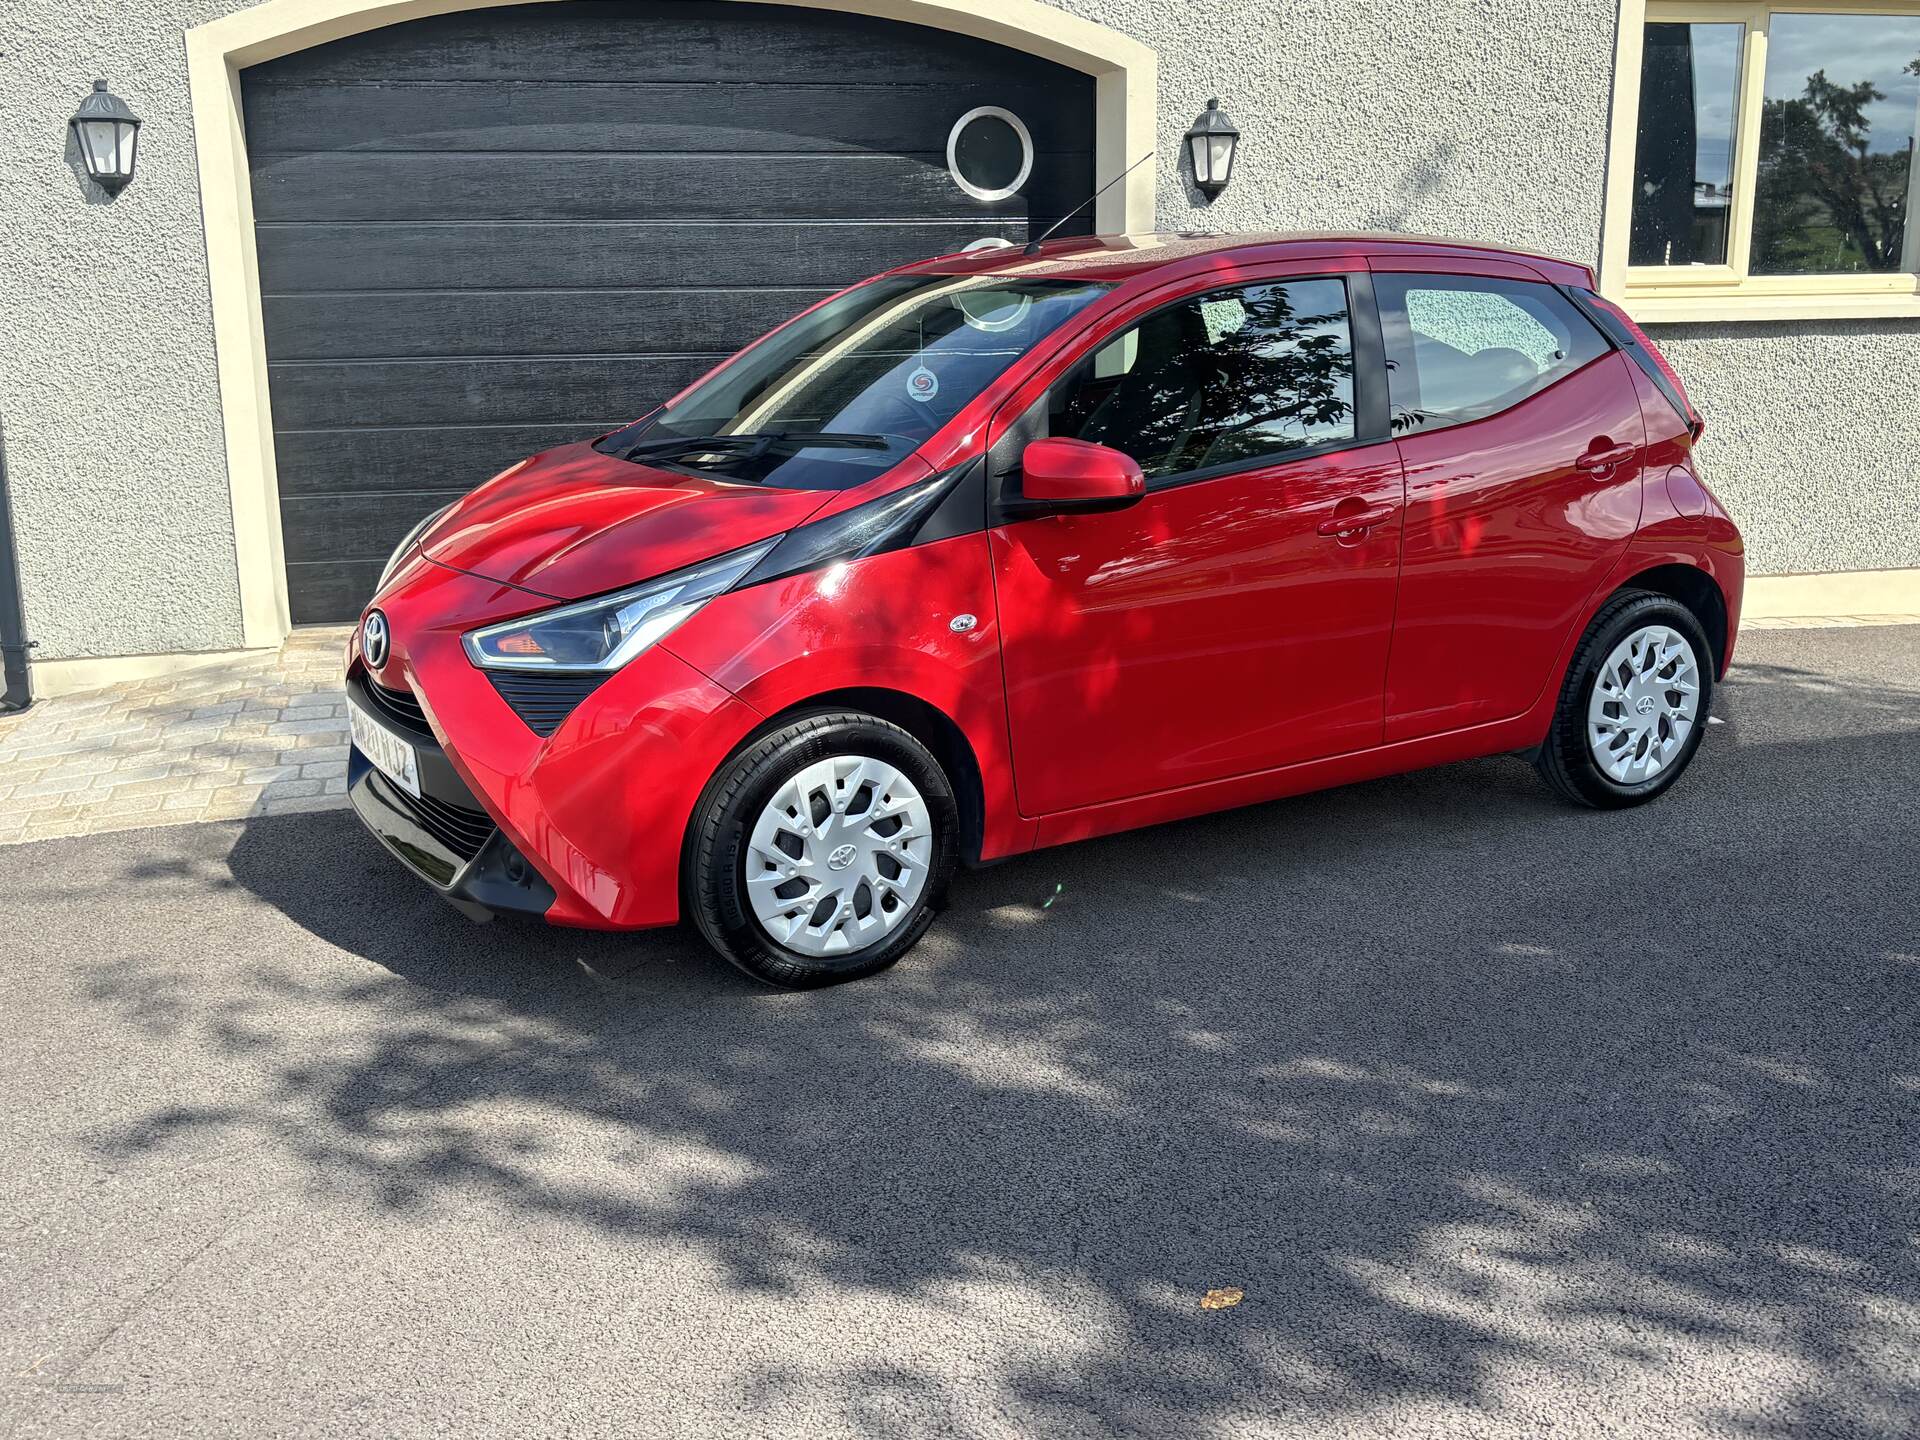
1605	459
1354	521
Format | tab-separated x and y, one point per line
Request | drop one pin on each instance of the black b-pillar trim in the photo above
1370	395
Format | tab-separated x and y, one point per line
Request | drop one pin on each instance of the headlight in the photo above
606	632
393	560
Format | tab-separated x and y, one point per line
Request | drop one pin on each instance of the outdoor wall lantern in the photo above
1213	140
109	136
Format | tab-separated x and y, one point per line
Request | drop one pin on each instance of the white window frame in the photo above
1729	292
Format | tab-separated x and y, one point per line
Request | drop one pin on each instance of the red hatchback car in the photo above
1004	550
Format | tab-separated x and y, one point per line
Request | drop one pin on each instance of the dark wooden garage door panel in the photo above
334	589
325	258
515	322
391	185
487	233
641	116
409	457
321	394
314	522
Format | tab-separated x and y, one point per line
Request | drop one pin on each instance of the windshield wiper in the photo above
845	438
749	446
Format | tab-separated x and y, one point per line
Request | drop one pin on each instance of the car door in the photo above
1520	430
1238	616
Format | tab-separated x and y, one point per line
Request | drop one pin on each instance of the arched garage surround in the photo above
1123	73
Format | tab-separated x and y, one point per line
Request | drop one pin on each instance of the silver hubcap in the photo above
839	856
1645	704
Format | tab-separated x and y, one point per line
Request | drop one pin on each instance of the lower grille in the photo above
399	706
544	700
460	829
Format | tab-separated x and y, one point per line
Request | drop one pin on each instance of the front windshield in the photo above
847	392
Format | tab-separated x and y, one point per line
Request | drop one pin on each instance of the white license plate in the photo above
389	754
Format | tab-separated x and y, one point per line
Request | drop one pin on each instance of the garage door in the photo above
487	233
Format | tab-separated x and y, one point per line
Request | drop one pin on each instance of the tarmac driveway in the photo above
1507	1118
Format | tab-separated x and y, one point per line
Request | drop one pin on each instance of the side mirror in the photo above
1060	476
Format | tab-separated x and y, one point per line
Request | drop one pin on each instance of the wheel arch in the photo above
1695	588
927	723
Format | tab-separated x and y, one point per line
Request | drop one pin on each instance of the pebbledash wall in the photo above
1488	119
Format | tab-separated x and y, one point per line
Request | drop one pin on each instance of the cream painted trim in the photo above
1616	214
51	678
1725	292
1847	592
1682	308
1126	77
226	209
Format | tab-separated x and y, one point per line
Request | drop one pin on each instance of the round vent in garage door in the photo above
990	153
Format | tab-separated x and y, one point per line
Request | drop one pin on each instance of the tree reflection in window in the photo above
1836	145
1219	379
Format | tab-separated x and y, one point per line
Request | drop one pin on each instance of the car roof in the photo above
1115	258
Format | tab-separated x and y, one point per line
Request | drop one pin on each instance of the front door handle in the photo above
1599	458
1352	522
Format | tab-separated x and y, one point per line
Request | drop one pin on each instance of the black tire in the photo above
1565	759
716	852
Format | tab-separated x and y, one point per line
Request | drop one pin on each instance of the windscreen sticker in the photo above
922	385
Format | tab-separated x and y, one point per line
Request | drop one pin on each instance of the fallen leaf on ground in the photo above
1222	1299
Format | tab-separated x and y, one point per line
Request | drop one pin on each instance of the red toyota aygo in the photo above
1004	550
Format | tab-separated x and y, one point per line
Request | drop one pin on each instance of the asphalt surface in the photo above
1507	1118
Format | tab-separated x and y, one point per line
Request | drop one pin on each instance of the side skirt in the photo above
1501	737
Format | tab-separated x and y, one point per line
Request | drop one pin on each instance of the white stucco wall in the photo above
1474	118
1477	118
110	412
1813	437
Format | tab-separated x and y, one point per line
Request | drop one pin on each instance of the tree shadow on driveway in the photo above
1501	1113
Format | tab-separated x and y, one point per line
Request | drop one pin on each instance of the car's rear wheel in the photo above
822	851
1634	705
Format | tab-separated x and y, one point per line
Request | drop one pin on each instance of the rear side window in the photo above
1463	347
1228	378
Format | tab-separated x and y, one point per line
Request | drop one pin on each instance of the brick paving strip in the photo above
262	736
1826	622
266	735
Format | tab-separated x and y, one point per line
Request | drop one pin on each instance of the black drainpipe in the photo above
17	691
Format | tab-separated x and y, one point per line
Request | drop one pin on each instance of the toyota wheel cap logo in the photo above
374	639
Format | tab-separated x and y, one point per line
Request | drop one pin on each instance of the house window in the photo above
1766	167
1683	151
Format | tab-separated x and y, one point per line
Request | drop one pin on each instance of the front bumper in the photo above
595	811
444	835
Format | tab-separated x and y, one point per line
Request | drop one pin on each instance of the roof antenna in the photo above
1033	246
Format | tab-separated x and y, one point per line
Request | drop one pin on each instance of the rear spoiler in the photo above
1618	327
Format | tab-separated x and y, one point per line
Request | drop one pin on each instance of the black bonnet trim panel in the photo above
952	502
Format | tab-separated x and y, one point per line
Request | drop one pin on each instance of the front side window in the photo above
848	391
1461	348
1772	161
1226	378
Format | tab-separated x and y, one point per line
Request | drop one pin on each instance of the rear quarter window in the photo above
1463	347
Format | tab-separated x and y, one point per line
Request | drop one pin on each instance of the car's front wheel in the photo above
821	852
1634	705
